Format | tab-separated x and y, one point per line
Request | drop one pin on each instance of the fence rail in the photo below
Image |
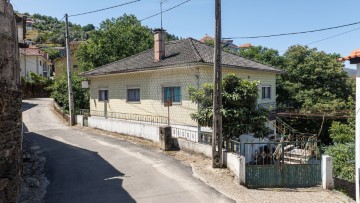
132	117
274	153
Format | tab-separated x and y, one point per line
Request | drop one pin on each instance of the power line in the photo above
169	9
103	9
294	33
333	36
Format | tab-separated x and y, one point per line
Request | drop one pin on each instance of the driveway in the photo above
87	167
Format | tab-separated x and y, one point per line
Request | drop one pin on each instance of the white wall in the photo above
147	131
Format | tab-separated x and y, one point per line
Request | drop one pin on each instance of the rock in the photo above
32	182
3	183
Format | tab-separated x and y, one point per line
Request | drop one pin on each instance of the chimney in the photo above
159	46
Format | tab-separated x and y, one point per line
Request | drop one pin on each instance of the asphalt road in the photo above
87	167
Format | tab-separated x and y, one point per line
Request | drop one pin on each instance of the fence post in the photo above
242	175
105	109
326	173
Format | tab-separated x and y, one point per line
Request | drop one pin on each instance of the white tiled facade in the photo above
151	84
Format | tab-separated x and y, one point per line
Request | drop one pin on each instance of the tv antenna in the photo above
161	11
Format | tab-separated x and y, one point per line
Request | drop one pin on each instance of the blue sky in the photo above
240	18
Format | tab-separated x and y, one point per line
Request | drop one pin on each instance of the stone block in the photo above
3	183
165	138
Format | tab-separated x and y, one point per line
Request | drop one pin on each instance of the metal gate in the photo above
282	164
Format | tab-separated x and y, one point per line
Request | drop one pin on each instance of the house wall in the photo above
10	107
61	66
151	83
265	78
32	64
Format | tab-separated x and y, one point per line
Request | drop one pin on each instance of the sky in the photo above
239	18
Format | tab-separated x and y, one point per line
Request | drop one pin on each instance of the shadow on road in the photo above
76	174
26	106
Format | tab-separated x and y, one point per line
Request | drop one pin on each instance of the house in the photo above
141	83
36	61
60	63
226	43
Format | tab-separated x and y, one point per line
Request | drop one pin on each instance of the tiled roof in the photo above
181	52
32	52
247	45
354	54
206	38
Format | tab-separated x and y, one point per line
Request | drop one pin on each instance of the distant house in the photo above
36	61
141	83
60	64
227	44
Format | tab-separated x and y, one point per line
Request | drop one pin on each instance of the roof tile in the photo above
186	51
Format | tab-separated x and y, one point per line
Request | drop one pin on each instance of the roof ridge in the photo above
196	50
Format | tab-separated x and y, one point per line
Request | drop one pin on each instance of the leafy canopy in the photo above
59	91
116	39
314	80
239	111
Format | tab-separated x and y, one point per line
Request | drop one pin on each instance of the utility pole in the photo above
71	95
217	100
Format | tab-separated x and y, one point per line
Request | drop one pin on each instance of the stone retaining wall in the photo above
10	107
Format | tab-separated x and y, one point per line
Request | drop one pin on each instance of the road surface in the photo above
87	167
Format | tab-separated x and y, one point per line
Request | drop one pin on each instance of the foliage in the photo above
51	30
59	91
88	27
263	55
53	53
343	150
314	81
239	111
116	39
35	85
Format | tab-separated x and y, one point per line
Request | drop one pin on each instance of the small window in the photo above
266	92
75	67
172	94
133	95
103	95
40	63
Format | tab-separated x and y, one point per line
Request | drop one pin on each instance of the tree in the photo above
343	149
263	55
239	110
59	91
314	81
116	39
88	27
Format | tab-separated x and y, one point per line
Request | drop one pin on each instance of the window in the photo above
75	67
266	92
133	95
103	95
172	94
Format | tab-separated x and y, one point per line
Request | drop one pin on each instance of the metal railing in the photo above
234	147
205	138
274	153
132	117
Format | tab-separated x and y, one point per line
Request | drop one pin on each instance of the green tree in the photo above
59	91
314	81
88	27
263	55
343	149
239	110
115	39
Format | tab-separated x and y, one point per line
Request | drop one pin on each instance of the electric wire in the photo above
169	9
294	33
103	9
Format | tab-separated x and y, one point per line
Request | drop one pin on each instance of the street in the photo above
87	167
